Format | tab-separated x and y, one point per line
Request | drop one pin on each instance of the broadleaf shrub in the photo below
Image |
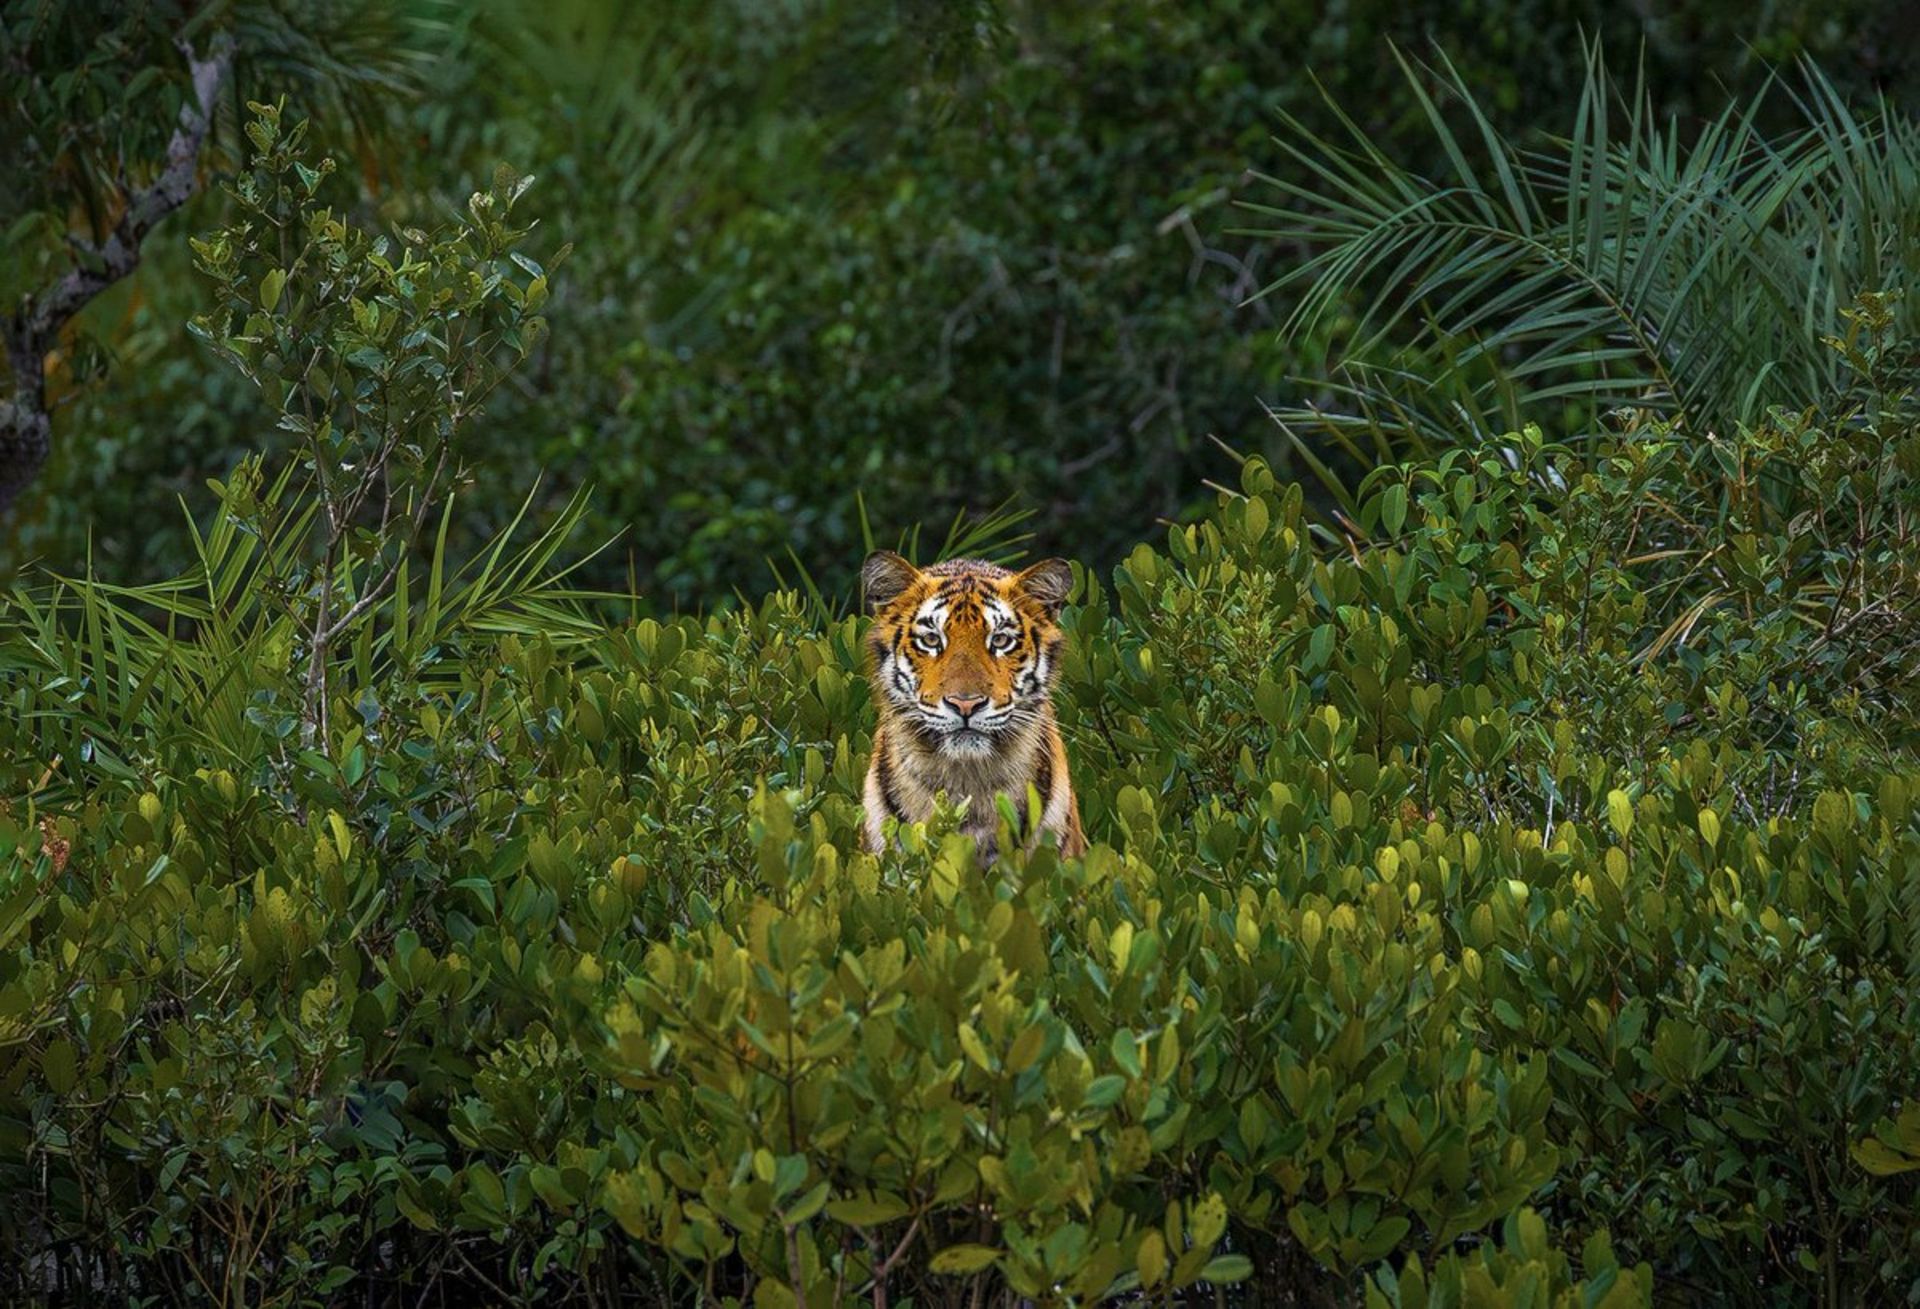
1448	937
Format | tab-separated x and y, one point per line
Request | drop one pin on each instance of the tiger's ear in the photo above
883	577
1050	582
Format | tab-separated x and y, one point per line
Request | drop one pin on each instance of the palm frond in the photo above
1619	266
201	657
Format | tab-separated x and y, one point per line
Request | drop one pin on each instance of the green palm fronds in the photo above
209	660
1693	271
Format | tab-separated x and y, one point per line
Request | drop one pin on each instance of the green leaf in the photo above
1881	1160
481	888
807	1205
547	1184
1226	1269
59	1064
868	1211
1620	813
788	1173
963	1259
1393	508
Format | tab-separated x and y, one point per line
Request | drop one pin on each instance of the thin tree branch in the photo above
32	330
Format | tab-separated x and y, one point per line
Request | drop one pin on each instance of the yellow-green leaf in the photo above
963	1259
1151	1259
1620	812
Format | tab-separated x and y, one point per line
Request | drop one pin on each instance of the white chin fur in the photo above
967	745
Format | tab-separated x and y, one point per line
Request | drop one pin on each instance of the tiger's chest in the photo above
907	788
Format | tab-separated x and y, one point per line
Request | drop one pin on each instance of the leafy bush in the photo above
1420	911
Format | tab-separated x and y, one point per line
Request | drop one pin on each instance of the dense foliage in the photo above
1520	906
1614	270
1504	887
555	966
916	257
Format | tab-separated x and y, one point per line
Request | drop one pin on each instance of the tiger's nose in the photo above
964	705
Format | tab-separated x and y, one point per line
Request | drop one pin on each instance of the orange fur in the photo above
964	656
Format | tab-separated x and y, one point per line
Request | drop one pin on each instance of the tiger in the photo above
964	657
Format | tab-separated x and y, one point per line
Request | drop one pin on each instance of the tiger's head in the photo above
965	653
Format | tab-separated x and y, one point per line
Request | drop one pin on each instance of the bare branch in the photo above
32	330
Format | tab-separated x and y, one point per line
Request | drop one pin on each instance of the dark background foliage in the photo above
843	266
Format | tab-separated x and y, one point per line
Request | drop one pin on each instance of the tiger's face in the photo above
965	653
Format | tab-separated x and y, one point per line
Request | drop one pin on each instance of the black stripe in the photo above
1043	777
884	769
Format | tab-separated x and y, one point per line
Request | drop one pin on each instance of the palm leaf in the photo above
1619	266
